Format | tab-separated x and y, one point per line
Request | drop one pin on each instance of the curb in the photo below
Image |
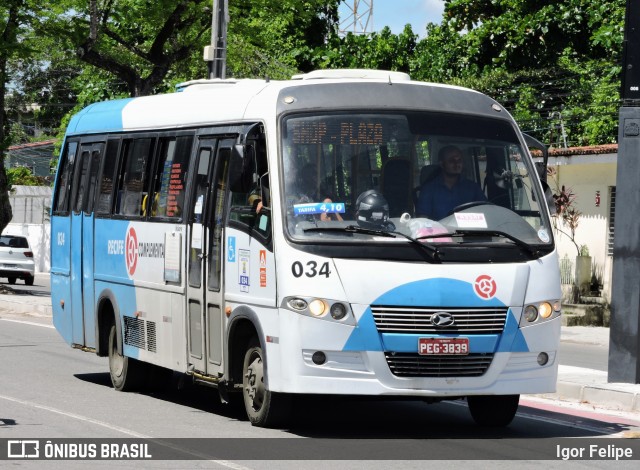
600	396
16	306
593	389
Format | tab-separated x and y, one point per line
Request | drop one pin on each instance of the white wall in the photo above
586	175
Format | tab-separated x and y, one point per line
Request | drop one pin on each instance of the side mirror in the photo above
239	170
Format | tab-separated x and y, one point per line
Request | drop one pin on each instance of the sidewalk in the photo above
576	384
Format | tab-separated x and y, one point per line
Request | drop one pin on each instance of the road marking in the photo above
75	416
129	432
28	323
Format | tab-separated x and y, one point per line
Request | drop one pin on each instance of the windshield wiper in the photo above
532	250
433	252
352	229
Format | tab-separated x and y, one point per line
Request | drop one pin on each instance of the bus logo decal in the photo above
442	319
485	287
131	254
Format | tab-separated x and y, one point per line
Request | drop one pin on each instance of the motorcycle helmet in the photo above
372	209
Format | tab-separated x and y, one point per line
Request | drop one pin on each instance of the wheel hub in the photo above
255	382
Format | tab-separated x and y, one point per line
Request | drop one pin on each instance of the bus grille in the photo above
151	336
140	333
417	320
415	365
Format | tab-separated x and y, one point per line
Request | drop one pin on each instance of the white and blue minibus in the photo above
269	239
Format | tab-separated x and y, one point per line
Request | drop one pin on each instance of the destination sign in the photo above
336	131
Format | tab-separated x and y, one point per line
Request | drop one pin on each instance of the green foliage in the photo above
548	62
22	175
383	50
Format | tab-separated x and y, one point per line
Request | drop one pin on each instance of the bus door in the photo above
204	278
82	237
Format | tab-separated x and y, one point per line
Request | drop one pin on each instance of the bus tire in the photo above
264	408
493	410
127	374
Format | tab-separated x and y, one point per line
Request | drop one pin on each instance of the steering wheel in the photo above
469	205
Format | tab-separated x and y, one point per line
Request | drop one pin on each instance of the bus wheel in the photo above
126	373
263	407
493	410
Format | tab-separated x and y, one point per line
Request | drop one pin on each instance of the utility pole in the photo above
216	53
624	341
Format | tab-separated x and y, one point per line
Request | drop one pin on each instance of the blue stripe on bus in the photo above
440	292
99	117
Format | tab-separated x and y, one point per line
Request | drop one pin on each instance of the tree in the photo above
138	47
540	59
13	15
515	34
136	41
383	50
279	37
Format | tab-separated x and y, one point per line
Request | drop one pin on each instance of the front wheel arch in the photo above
243	325
107	314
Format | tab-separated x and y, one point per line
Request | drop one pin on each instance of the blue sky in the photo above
397	13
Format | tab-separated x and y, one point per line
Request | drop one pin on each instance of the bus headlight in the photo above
338	311
324	309
297	304
534	314
530	313
545	310
317	307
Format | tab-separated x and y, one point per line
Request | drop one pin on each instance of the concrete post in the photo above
624	344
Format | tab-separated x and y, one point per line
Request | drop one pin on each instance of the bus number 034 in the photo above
312	269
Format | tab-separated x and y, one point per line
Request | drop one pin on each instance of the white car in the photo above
16	259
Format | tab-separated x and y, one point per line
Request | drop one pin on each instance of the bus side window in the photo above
94	169
65	171
81	178
168	196
134	184
105	190
247	208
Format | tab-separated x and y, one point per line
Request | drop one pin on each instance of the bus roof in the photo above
207	102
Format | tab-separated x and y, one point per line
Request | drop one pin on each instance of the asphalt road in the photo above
49	390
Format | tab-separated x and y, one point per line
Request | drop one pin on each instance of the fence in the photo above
30	204
567	271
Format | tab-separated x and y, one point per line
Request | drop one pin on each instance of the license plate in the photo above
10	266
442	346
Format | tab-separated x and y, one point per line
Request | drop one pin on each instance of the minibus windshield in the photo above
467	178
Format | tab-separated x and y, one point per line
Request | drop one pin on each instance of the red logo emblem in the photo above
485	287
131	251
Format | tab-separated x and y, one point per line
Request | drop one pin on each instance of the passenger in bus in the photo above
449	189
305	189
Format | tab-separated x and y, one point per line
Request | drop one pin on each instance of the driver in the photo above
439	196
